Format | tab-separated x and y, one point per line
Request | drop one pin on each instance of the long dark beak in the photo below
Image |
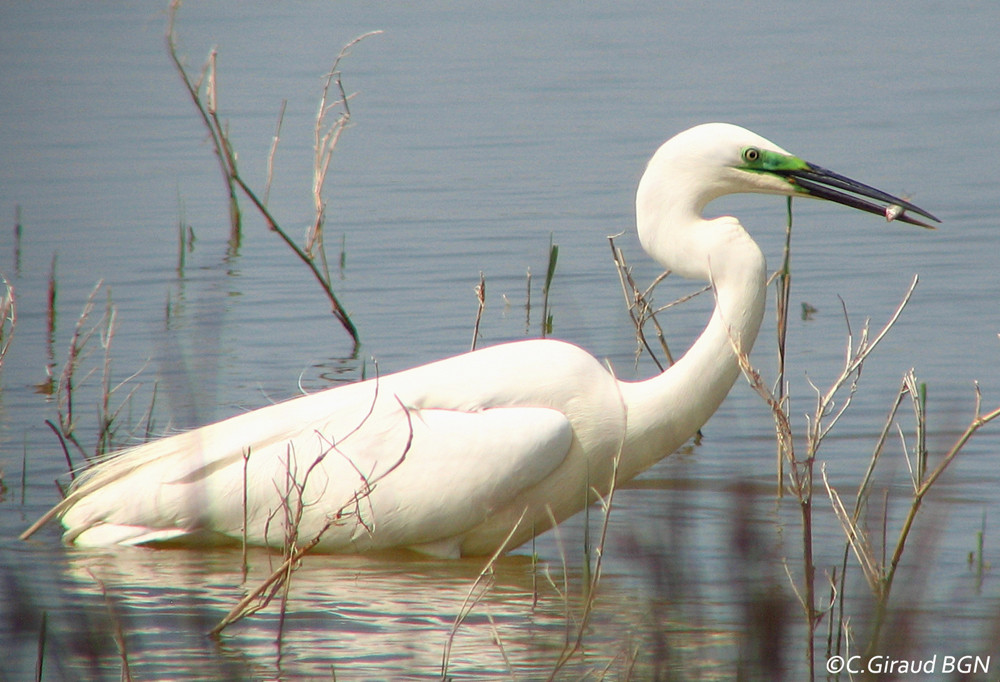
823	184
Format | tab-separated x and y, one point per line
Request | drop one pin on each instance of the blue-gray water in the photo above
480	132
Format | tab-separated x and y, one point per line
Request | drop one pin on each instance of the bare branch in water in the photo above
204	95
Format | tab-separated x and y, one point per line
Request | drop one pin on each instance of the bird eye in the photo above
751	154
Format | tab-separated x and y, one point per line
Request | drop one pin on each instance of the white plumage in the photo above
450	457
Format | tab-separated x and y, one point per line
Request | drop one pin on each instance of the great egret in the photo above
452	457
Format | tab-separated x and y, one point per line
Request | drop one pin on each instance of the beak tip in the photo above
897	212
820	183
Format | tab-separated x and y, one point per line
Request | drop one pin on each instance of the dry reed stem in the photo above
313	255
495	632
824	417
40	653
576	628
273	151
208	115
784	277
640	307
69	383
293	506
597	571
69	380
117	631
244	563
479	588
8	317
978	421
107	415
325	139
880	573
65	426
481	298
857	538
243	608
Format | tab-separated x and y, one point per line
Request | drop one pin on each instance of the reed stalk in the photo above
203	93
796	471
550	273
8	316
481	299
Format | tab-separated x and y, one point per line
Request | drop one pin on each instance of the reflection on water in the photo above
361	618
694	587
678	600
482	132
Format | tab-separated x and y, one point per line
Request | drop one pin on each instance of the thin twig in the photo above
313	255
481	298
118	632
476	593
8	316
597	572
639	305
783	294
273	151
207	115
280	578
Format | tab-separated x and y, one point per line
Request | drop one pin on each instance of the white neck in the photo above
665	411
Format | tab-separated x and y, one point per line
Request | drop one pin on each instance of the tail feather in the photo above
109	491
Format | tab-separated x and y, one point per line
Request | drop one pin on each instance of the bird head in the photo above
714	159
711	160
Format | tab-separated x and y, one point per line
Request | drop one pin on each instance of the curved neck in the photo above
666	410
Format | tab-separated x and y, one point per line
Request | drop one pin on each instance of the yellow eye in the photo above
751	154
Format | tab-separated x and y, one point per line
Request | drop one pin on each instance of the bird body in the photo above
484	450
429	458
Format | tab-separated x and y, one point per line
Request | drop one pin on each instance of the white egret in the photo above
449	457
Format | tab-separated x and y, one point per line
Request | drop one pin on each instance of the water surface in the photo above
480	133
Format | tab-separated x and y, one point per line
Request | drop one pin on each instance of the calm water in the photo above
480	133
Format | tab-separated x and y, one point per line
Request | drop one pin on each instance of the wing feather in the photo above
413	459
